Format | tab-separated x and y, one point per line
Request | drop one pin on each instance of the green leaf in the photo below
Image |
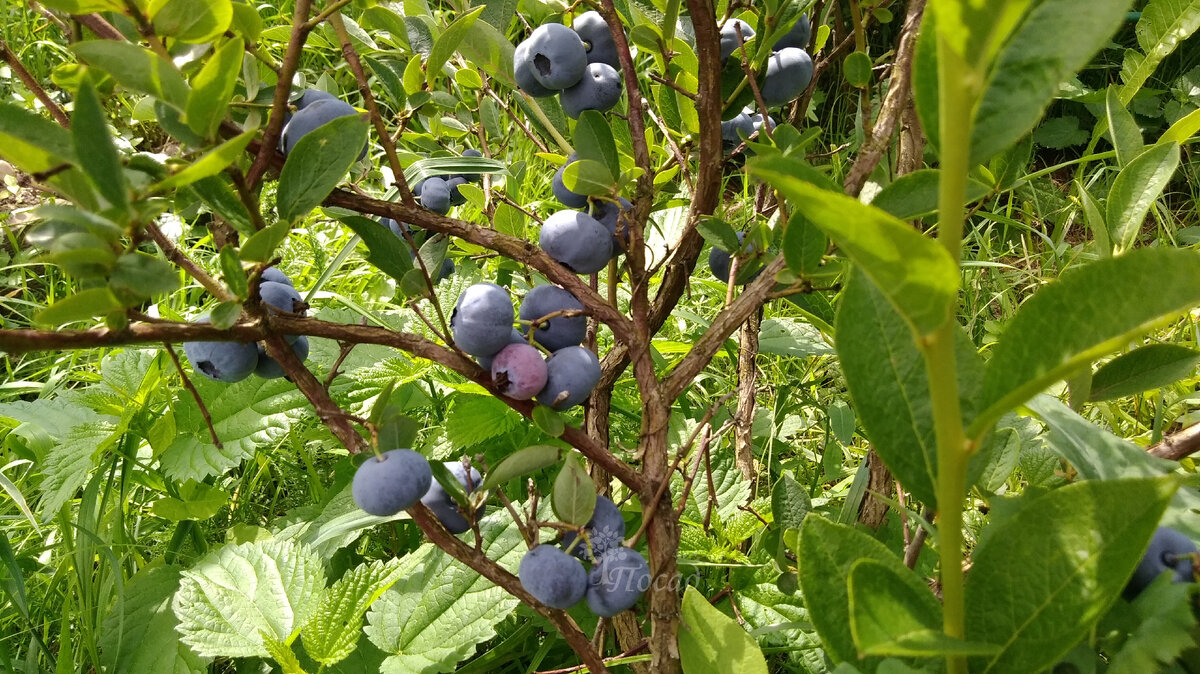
333	630
192	21
95	148
140	275
447	43
450	483
198	501
237	591
1126	136
213	86
857	68
915	195
1042	578
1183	129
548	420
439	609
711	642
139	630
804	245
1032	65
67	465
1164	24
520	463
261	246
1165	622
386	251
208	166
790	502
594	140
476	418
33	143
83	304
791	337
84	6
1134	191
1087	312
918	276
318	163
136	69
282	654
976	29
216	193
830	552
1150	367
232	272
892	612
488	48
588	177
574	495
718	233
225	314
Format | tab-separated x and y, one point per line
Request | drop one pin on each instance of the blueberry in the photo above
482	319
471	177
719	262
558	332
313	115
565	196
398	228
519	371
729	39
553	577
617	581
798	36
280	296
446	271
789	71
456	197
269	368
599	89
391	483
273	275
443	506
571	374
609	214
554	55
1169	550
597	39
222	361
435	195
523	72
577	241
606	531
310	96
515	337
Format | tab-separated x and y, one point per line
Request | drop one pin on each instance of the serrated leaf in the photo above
439	610
236	591
1068	323
574	495
139	630
474	419
318	163
67	466
520	463
282	654
784	336
711	642
1165	622
1037	595
334	628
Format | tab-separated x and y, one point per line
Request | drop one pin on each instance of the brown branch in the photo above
1180	445
194	270
479	562
327	410
33	86
101	27
747	370
894	103
22	341
268	148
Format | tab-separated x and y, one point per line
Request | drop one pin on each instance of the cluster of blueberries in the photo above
482	324
577	63
314	108
439	193
789	72
233	361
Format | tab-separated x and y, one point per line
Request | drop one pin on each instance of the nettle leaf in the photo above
711	642
139	630
784	336
245	415
334	628
438	611
1044	576
474	419
67	466
916	274
318	163
1165	623
1163	25
730	489
1034	63
1149	367
1134	191
237	591
329	527
1068	323
829	552
790	502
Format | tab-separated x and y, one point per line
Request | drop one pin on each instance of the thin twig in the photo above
32	84
187	383
1178	446
194	270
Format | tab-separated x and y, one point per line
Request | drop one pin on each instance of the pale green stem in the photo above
545	122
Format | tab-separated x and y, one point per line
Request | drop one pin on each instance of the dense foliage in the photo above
634	335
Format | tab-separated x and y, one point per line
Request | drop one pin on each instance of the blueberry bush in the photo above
377	336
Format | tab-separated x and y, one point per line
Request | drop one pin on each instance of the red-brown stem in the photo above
283	93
